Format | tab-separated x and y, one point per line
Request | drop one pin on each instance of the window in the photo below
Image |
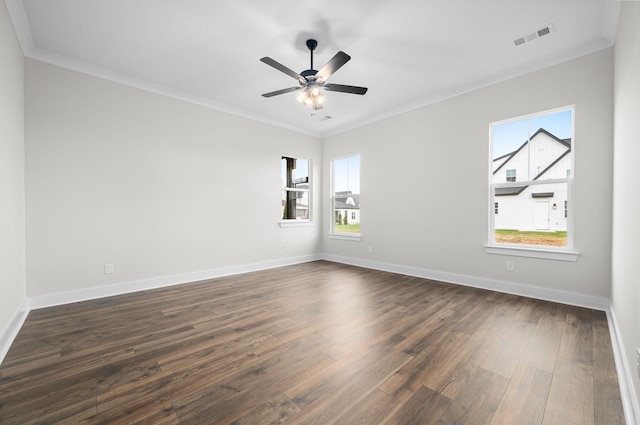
345	201
295	188
531	174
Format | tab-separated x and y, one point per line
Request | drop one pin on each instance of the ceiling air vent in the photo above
519	41
534	35
544	31
325	118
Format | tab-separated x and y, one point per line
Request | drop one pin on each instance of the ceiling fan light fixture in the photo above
308	101
302	95
311	97
311	80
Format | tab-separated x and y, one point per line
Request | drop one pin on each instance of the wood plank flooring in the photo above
315	343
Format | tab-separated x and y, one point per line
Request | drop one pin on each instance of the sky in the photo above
301	170
346	173
510	136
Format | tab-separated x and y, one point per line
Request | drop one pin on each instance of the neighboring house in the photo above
533	207
347	204
296	201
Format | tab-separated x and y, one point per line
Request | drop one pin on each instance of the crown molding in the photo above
20	24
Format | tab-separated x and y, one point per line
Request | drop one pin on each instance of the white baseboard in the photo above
50	300
11	331
60	298
624	371
570	298
41	301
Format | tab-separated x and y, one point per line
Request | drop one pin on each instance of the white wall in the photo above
12	199
434	161
153	185
161	187
626	203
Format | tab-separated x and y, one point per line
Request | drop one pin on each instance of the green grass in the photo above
532	238
347	228
529	233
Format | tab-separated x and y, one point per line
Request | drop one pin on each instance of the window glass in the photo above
346	195
295	188
531	179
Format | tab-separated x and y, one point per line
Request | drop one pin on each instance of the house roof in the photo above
565	142
341	199
550	166
344	206
514	190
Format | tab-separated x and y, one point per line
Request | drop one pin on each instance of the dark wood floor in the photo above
316	343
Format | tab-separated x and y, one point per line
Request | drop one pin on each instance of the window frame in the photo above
333	234
564	253
297	222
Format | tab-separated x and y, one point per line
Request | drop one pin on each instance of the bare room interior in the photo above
320	213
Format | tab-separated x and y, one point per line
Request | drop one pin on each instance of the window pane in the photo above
550	146
528	152
295	171
535	148
535	216
295	205
346	195
509	142
295	175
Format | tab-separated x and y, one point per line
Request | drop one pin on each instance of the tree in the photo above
346	221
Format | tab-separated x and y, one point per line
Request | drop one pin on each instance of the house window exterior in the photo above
345	196
296	194
531	175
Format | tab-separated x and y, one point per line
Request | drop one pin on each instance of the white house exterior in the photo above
533	207
347	204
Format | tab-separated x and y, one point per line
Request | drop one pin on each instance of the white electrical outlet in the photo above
510	266
286	248
108	269
370	250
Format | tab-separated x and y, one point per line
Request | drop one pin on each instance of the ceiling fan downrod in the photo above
312	44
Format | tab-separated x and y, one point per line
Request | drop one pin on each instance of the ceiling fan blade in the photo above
345	89
280	67
283	91
333	65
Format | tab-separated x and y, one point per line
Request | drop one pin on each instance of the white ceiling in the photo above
407	52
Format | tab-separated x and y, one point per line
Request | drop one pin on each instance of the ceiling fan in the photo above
311	81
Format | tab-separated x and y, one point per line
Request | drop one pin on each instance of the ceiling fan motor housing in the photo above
309	74
312	44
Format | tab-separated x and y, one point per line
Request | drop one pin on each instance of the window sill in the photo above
345	237
296	223
544	253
